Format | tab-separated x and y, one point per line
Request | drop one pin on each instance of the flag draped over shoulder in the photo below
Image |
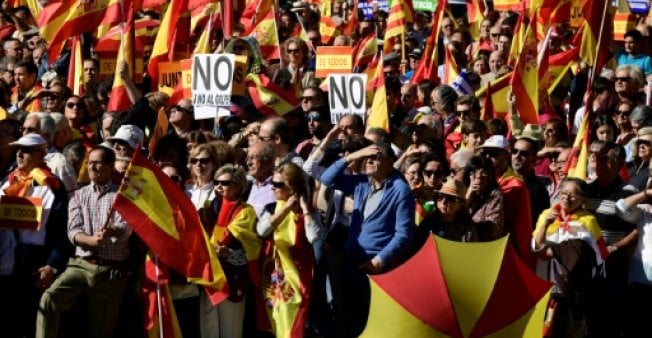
166	220
287	280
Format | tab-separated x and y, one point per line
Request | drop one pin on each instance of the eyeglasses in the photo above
294	51
175	178
569	196
28	130
202	161
495	35
622	78
623	113
519	152
224	183
378	157
265	138
278	185
429	173
71	105
447	198
307	98
28	150
412	173
464	112
643	142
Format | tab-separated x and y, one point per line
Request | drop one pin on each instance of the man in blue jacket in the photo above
381	225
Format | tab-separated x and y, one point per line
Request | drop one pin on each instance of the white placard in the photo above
346	95
212	82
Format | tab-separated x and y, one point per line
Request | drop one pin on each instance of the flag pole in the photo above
597	50
122	30
158	298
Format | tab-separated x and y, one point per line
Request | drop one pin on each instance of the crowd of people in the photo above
300	210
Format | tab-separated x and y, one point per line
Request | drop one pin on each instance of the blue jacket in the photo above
387	232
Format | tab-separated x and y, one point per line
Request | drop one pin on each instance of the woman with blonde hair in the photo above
290	225
236	243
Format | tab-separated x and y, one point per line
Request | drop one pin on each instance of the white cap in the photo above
425	109
30	140
130	134
496	141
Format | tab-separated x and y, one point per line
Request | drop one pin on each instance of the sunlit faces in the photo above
226	187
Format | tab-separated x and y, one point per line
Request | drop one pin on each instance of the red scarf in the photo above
20	182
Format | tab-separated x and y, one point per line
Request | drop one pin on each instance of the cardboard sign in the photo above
169	74
20	212
424	5
333	60
212	81
186	77
240	75
346	95
623	23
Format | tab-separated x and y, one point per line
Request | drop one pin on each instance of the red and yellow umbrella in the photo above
453	289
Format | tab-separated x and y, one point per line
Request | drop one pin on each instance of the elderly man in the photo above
44	125
101	238
260	161
30	258
629	81
496	62
443	102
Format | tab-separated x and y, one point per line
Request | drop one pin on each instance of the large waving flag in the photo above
167	221
578	159
495	295
364	51
266	34
525	79
451	70
268	97
475	11
254	12
119	99
62	19
146	30
498	94
163	49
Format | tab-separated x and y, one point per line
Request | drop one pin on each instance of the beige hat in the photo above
454	188
533	132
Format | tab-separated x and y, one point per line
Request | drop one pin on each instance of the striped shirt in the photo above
87	213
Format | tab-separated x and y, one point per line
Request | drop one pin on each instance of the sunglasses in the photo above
307	98
378	157
202	161
224	183
447	198
495	35
28	130
278	185
623	113
175	178
182	109
294	51
429	173
643	142
27	150
72	105
622	79
519	152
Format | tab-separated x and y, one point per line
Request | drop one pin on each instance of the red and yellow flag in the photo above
578	159
400	14
427	66
525	79
266	34
254	12
451	70
76	68
119	99
559	64
379	115
167	221
268	97
163	49
365	50
498	94
590	52
170	324
475	12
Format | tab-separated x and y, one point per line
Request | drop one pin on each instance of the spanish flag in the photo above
379	115
559	64
266	34
163	49
578	159
590	52
167	325
119	99
76	68
400	14
525	79
427	67
498	93
166	220
364	51
506	5
268	97
254	12
475	12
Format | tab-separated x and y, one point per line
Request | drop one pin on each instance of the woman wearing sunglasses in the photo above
638	168
289	226
236	243
80	121
485	199
450	218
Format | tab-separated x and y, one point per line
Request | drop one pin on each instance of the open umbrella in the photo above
454	289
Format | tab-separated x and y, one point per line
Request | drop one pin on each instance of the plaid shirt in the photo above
87	213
